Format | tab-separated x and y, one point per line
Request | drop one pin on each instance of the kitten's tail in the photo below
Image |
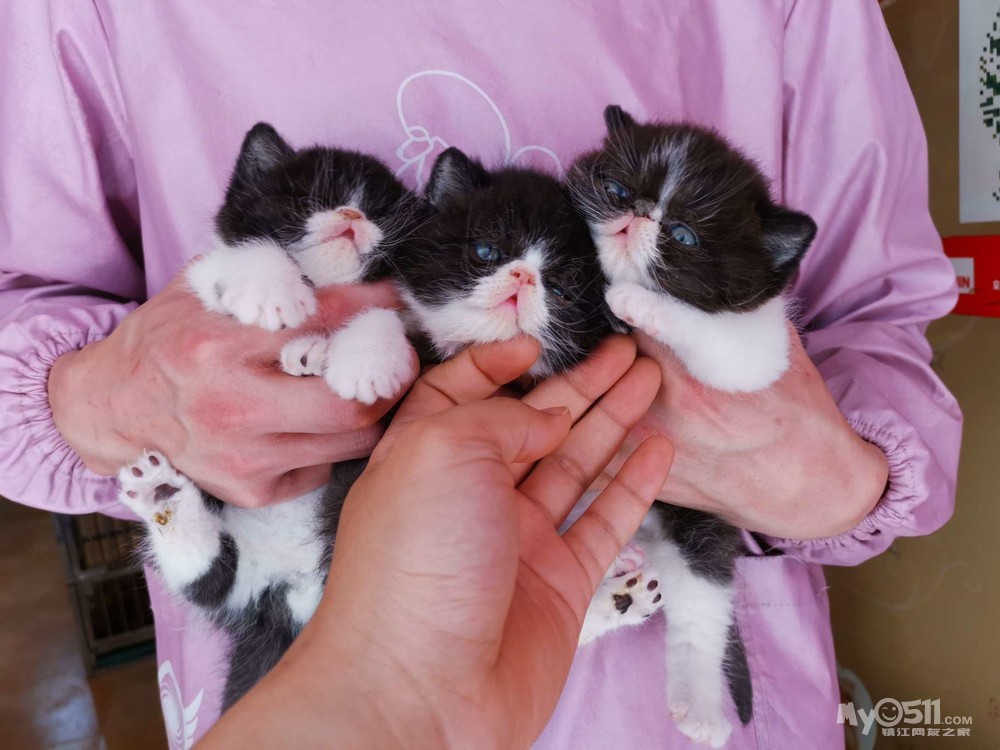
738	675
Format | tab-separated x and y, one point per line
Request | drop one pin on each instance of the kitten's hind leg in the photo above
628	595
697	560
263	635
184	536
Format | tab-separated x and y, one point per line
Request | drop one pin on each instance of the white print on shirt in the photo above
422	144
181	721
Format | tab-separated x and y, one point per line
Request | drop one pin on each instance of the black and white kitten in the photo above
291	221
491	255
503	253
295	220
698	256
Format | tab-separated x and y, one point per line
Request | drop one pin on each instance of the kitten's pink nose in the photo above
523	277
352	214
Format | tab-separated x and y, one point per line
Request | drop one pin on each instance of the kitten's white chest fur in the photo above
730	351
278	545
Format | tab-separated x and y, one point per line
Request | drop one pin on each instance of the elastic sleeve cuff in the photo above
37	467
901	511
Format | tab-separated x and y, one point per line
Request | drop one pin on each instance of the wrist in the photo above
840	497
870	481
80	412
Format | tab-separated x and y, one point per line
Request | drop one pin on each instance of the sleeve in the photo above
856	160
70	266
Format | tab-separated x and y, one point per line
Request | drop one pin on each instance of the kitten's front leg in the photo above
640	308
184	536
738	352
305	356
370	358
256	282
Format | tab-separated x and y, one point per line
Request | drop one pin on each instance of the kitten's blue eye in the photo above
561	295
684	234
486	253
617	189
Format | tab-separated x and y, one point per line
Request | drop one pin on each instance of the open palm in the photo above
479	598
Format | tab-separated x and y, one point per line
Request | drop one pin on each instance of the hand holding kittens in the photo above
782	461
450	588
207	392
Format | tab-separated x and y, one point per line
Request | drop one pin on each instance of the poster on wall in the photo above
977	272
979	110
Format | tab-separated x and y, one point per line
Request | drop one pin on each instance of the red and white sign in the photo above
977	270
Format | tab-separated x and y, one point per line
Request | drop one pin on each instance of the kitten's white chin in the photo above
626	248
485	314
334	245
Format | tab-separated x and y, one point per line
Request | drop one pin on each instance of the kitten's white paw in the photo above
149	487
621	601
305	356
255	282
631	303
708	727
370	358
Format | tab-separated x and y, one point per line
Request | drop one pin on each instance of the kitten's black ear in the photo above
787	235
453	176
262	150
617	118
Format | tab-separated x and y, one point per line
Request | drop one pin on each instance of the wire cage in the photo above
107	587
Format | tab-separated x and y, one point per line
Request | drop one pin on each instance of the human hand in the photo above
207	392
782	461
453	606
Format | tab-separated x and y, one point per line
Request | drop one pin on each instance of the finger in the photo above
606	526
581	386
517	432
336	304
672	367
560	479
578	388
307	405
295	451
298	482
475	373
261	492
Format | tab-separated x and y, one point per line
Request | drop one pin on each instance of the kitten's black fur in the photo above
510	209
274	190
711	547
747	249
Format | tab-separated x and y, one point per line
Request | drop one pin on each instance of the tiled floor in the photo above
46	700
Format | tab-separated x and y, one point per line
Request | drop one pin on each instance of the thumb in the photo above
519	433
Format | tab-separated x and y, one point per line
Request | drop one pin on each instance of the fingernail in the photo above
557	411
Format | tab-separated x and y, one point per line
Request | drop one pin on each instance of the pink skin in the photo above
178	378
351	225
624	230
512	300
